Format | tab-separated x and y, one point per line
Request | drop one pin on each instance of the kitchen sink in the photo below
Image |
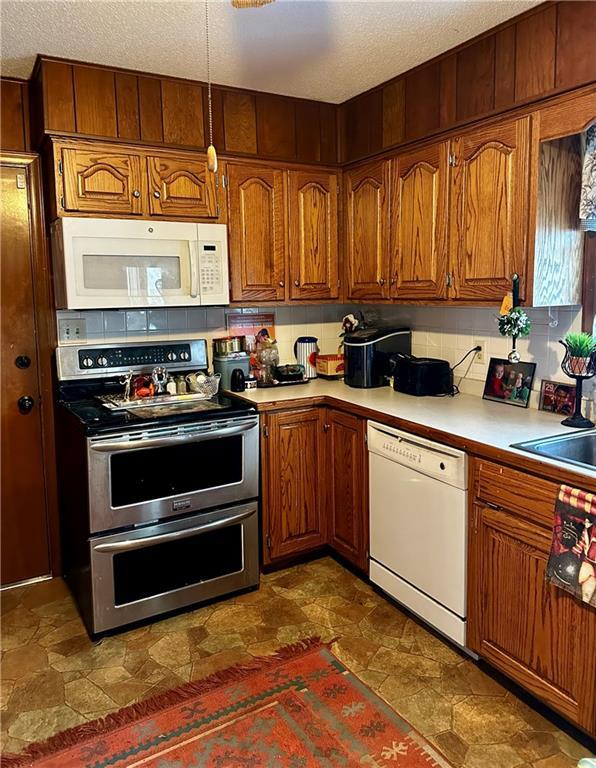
579	448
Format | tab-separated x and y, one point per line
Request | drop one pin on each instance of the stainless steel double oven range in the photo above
158	497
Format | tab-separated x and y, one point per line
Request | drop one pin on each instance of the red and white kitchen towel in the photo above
572	561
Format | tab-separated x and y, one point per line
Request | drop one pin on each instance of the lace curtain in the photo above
587	202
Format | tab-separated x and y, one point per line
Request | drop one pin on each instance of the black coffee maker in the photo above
368	354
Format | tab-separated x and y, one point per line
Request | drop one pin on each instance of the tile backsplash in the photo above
444	332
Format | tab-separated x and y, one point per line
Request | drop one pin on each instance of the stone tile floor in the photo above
54	677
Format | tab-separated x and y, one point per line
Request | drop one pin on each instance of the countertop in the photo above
467	418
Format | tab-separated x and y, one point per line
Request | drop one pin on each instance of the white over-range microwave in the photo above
121	263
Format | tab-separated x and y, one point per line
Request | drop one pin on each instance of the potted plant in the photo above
581	347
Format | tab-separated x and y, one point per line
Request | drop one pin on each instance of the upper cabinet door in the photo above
103	181
257	233
180	186
313	235
419	209
366	221
489	211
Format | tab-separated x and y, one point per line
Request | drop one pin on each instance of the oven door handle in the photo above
129	544
164	442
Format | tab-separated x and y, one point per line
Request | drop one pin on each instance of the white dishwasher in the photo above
418	526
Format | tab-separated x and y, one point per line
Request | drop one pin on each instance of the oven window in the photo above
172	565
157	473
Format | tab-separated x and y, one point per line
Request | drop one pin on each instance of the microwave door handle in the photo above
194	269
164	442
129	544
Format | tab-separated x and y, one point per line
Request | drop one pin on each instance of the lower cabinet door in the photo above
292	498
534	632
347	503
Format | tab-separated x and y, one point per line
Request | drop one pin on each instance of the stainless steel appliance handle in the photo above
129	544
194	269
167	440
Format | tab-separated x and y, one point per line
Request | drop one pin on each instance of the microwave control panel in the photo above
211	270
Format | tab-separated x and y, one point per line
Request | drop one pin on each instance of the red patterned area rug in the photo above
300	708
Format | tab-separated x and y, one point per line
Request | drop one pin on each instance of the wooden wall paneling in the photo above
276	126
505	67
559	244
535	54
308	131
394	114
374	108
182	113
476	78
576	36
13	124
150	109
127	106
95	101
58	96
356	130
422	101
329	132
240	122
447	98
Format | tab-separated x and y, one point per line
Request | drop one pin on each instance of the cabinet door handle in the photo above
156	194
297	283
281	283
22	361
382	282
136	193
25	403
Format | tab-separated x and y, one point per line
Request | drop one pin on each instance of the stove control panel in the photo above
131	357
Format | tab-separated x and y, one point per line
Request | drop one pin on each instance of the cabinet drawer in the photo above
505	488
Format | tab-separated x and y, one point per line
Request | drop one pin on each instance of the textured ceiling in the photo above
320	49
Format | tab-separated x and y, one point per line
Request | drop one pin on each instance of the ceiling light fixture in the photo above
250	3
211	153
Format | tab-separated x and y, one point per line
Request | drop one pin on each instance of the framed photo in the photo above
557	397
509	383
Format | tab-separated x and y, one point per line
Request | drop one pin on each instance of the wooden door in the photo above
534	632
180	186
292	497
257	233
419	210
490	209
103	180
312	209
24	538
367	252
346	478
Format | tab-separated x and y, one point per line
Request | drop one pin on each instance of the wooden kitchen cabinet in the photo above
346	479
489	209
419	219
113	180
366	247
537	634
293	501
257	232
313	229
179	187
102	179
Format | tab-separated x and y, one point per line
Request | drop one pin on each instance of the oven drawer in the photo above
145	476
159	568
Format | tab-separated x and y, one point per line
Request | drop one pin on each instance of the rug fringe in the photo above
161	701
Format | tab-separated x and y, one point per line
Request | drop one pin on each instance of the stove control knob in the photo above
184	355
87	362
102	361
171	356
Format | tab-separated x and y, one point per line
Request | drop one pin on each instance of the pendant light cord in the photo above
208	51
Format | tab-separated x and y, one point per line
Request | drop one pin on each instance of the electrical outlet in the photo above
479	357
72	330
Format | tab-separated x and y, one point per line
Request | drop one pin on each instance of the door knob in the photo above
156	194
382	282
22	361
281	283
297	283
136	193
25	403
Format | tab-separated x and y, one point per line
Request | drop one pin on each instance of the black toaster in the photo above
421	375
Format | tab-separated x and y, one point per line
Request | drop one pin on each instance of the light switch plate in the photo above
72	330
